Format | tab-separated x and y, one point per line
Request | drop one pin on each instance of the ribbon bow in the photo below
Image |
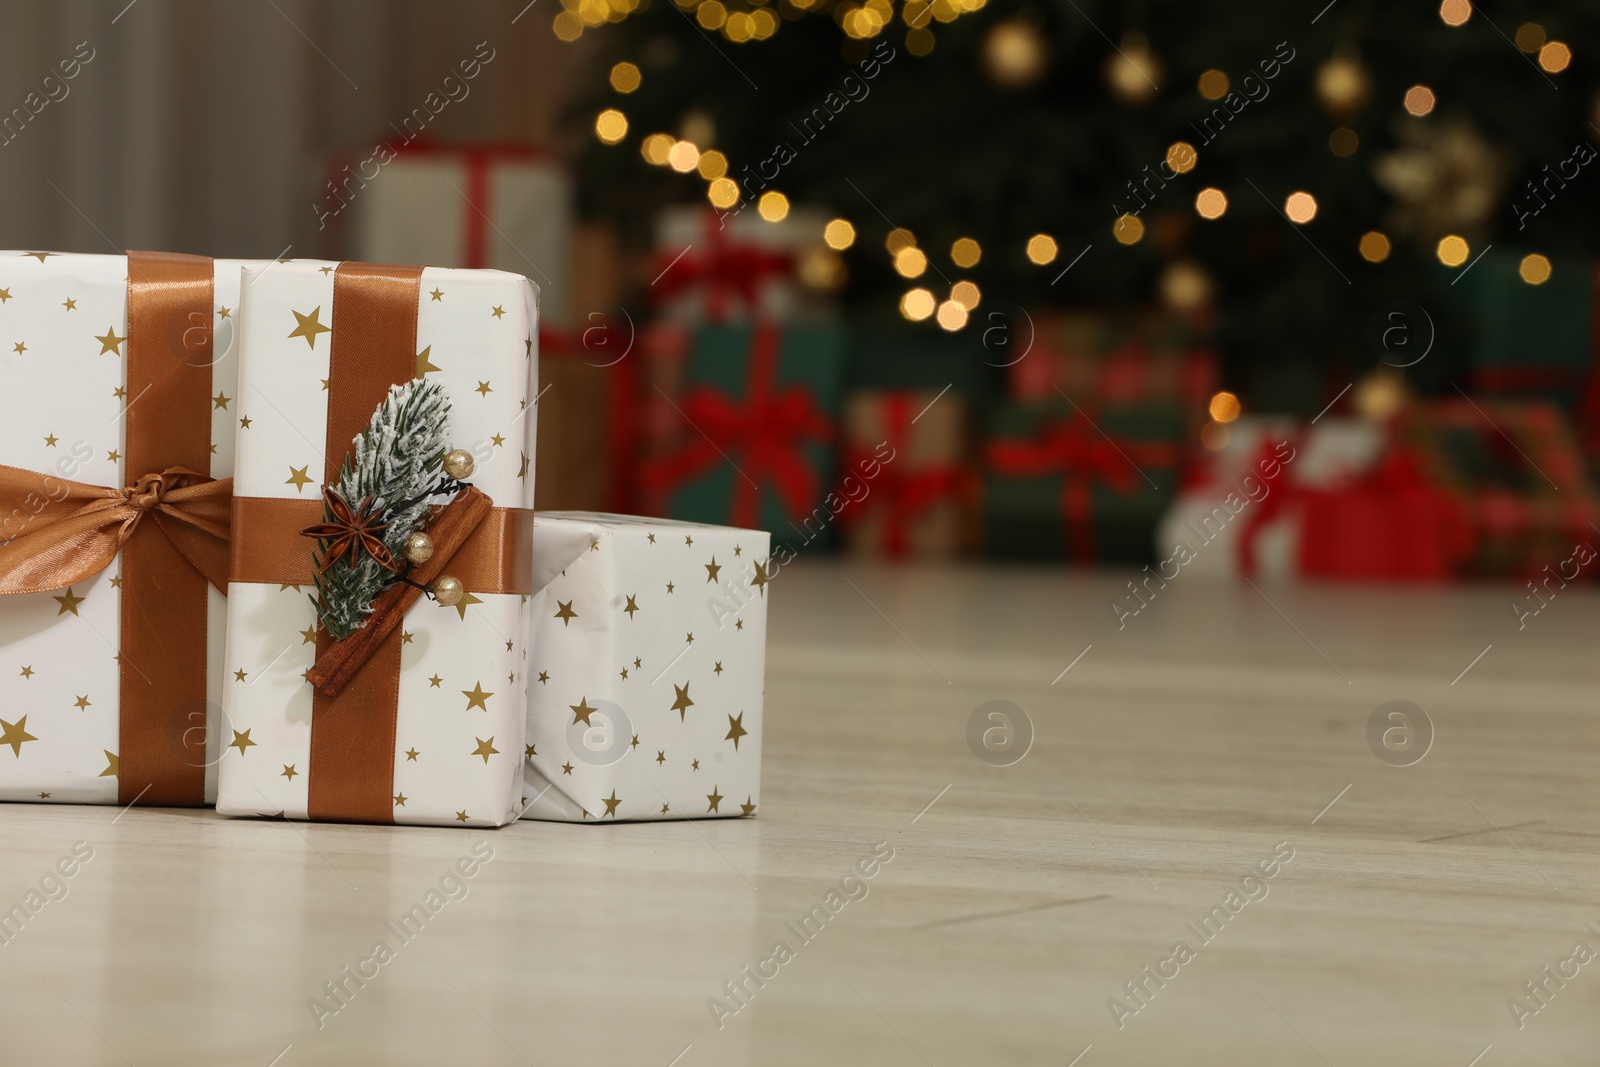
1079	454
762	437
65	532
352	532
728	270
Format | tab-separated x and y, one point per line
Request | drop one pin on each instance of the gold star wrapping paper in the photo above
628	718
63	374
458	741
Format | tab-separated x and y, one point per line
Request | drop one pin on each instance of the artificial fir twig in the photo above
394	464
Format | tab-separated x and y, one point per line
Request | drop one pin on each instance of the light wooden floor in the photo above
1168	762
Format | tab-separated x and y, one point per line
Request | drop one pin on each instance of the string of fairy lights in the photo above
1015	54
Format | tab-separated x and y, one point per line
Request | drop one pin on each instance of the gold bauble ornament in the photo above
418	547
1015	54
448	591
458	463
1133	72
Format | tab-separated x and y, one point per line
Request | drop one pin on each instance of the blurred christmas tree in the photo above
1296	166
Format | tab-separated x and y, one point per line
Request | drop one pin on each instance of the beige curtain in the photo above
203	125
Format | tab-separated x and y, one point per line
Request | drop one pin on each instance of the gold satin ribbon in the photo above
78	529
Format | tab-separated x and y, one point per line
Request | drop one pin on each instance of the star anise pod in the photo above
352	533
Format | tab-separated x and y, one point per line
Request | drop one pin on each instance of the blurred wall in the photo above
203	125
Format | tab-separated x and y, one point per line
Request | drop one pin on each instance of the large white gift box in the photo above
434	735
647	668
95	401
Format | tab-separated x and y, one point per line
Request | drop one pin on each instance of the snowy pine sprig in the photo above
395	462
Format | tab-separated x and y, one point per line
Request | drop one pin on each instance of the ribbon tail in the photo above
62	553
205	551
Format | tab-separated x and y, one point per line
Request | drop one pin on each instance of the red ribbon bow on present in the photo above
1082	455
761	437
728	270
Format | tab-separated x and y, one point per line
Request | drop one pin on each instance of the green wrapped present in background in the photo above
758	407
1060	480
1533	341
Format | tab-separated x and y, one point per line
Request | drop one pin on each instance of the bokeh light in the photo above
1213	85
1535	269
1343	142
611	125
917	304
773	205
713	164
1455	12
1419	100
1211	203
657	148
1181	157
966	252
1128	229
967	294
1224	406
1042	249
1555	57
683	157
1301	207
839	234
909	262
723	193
1374	247
625	77
1453	250
952	316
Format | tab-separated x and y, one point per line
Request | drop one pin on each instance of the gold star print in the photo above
299	478
44	796
113	455
523	472
637	664
244	423
665	808
399	800
497	440
688	540
624	674
461	816
27	672
661	755
223	313
564	611
220	401
15	734
116	581
110	342
635	742
485	749
213	450
738	624
412	754
289	772
736	730
40	256
581	711
5	294
498	312
611	803
718	668
82	703
70	304
325	270
761	578
241	741
747	808
424	364
69	601
544	677
737	550
308	636
529	752
437	294
308	326
669	588
286	586
631	607
51	441
476	697
113	765
594	546
119	392
682	704
406	637
327	383
434	682
508	646
483	389
240	675
652	538
566	768
529	343
467	600
715	798
711	569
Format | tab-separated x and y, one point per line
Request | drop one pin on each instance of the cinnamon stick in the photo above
450	528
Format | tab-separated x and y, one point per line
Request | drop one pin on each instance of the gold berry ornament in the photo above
418	547
458	463
448	591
